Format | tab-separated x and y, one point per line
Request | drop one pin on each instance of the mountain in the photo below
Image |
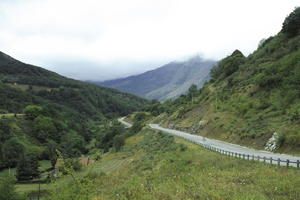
248	99
42	111
166	82
88	99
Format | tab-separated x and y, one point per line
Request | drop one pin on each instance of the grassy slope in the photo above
152	166
259	98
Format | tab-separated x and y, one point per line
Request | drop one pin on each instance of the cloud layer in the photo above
99	39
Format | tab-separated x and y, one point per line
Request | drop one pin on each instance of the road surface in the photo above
229	148
236	150
126	124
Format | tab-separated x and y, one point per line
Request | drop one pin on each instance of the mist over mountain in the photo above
166	82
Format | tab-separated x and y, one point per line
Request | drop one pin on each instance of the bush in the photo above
8	189
281	139
294	139
136	127
140	116
70	164
119	141
32	111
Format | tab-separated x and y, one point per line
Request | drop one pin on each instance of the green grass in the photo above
157	166
44	164
29	187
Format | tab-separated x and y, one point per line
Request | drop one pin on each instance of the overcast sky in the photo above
107	39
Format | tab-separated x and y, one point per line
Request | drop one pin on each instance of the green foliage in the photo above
106	136
281	139
291	25
136	127
11	151
69	165
158	143
32	111
5	129
155	109
8	188
140	116
27	167
193	89
228	65
44	128
118	142
159	166
50	152
60	113
72	145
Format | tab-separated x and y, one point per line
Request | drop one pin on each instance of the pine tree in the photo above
27	167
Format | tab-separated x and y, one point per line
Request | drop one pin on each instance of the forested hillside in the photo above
248	99
41	112
86	98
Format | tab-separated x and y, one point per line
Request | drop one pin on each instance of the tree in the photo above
5	129
119	141
72	144
44	128
11	150
32	111
192	91
228	65
291	24
51	151
136	127
27	167
140	116
7	188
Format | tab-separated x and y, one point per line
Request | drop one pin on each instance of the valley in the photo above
207	130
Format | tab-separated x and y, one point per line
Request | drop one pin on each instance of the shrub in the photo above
8	189
293	139
281	139
32	111
70	164
136	127
140	116
119	141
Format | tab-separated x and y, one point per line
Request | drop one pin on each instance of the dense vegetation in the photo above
41	86
42	112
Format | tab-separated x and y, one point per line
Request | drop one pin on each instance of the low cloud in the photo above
108	39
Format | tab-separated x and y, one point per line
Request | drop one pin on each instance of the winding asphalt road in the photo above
126	124
229	148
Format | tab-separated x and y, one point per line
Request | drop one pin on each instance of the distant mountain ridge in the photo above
86	99
166	82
